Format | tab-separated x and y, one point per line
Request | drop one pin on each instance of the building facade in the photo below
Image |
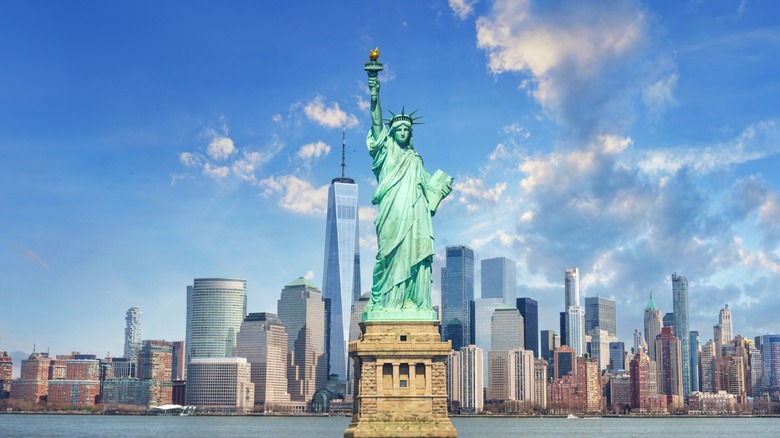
457	294
221	384
302	311
216	307
262	340
529	309
668	349
499	279
600	313
341	272
680	306
132	334
724	319
653	323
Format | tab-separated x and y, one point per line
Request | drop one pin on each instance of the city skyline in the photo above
144	147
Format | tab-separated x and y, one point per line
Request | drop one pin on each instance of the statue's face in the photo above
402	135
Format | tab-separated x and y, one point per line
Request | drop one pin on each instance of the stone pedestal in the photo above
400	381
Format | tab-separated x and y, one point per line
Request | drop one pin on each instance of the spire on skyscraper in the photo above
343	152
651	303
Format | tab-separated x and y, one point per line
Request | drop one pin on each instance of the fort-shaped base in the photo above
400	381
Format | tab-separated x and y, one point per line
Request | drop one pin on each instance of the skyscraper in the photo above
215	310
471	384
341	272
670	365
600	313
653	324
529	308
575	323
457	294
680	306
262	340
770	352
483	323
132	334
155	367
573	335
549	343
725	322
694	359
302	312
506	329
499	279
572	288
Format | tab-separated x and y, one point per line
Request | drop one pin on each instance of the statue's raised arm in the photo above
373	68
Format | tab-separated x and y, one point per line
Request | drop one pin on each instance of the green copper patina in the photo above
407	197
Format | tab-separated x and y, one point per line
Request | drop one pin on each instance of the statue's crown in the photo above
409	118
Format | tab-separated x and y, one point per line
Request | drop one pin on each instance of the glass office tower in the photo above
341	273
456	296
680	307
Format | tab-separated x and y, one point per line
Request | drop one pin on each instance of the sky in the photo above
145	144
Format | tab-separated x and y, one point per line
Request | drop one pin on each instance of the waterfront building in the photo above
529	309
262	340
617	356
680	306
499	279
576	329
125	391
179	360
33	384
221	384
6	373
720	403
600	313
155	365
471	385
77	394
653	324
619	392
501	382
670	364
302	311
756	366
639	369
730	377
724	320
540	383
483	323
707	363
561	396
453	381
215	310
506	336
770	352
120	368
341	271
599	346
58	369
457	294
523	377
694	365
132	334
589	383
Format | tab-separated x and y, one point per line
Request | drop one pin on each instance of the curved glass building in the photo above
216	307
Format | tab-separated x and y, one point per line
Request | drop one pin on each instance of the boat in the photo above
572	417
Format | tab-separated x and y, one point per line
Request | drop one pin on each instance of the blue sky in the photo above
146	144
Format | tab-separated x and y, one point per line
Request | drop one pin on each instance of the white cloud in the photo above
220	148
462	8
312	151
189	159
329	117
473	193
276	118
215	172
33	257
659	95
297	195
757	141
367	214
572	52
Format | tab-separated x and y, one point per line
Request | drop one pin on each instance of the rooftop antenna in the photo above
343	151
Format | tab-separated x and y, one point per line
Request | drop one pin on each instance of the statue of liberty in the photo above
407	197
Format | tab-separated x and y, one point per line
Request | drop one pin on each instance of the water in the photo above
14	425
